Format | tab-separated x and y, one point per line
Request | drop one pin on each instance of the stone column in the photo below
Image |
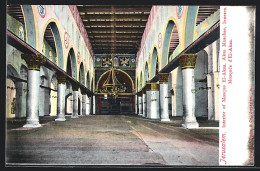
164	96
187	62
88	105
210	85
33	86
84	97
144	102
140	104
61	97
94	105
136	104
152	100
75	96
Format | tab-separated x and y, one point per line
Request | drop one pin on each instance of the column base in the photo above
140	114
190	125
74	116
60	119
144	115
165	120
32	125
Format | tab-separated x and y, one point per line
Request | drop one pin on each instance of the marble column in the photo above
187	62
152	100
94	105
144	102
136	104
75	96
84	97
61	97
88	105
164	96
140	104
210	85
33	87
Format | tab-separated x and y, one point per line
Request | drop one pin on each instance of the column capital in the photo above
163	78
152	86
34	61
188	60
61	78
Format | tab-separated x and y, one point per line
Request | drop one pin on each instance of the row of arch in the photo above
31	38
171	41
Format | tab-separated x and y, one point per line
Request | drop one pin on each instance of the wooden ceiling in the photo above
114	29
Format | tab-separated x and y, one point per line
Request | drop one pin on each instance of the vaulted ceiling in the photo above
114	29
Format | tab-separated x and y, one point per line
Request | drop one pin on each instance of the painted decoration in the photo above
179	11
50	53
41	10
124	61
66	40
21	33
159	40
78	58
106	61
43	49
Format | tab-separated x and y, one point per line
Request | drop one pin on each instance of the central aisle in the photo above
109	140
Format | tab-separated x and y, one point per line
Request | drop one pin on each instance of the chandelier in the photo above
112	86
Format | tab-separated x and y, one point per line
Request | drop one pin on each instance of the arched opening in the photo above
155	63
22	91
49	48
23	17
71	64
81	74
68	104
91	85
170	42
52	45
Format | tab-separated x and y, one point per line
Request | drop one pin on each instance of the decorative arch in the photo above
30	25
121	71
57	40
71	64
155	64
170	41
81	74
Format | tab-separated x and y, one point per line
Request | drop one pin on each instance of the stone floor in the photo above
111	140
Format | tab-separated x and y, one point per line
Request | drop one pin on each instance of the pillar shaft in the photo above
210	83
75	96
61	103
32	105
136	104
94	105
88	105
61	97
33	87
144	105
188	62
152	101
84	97
140	106
164	96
